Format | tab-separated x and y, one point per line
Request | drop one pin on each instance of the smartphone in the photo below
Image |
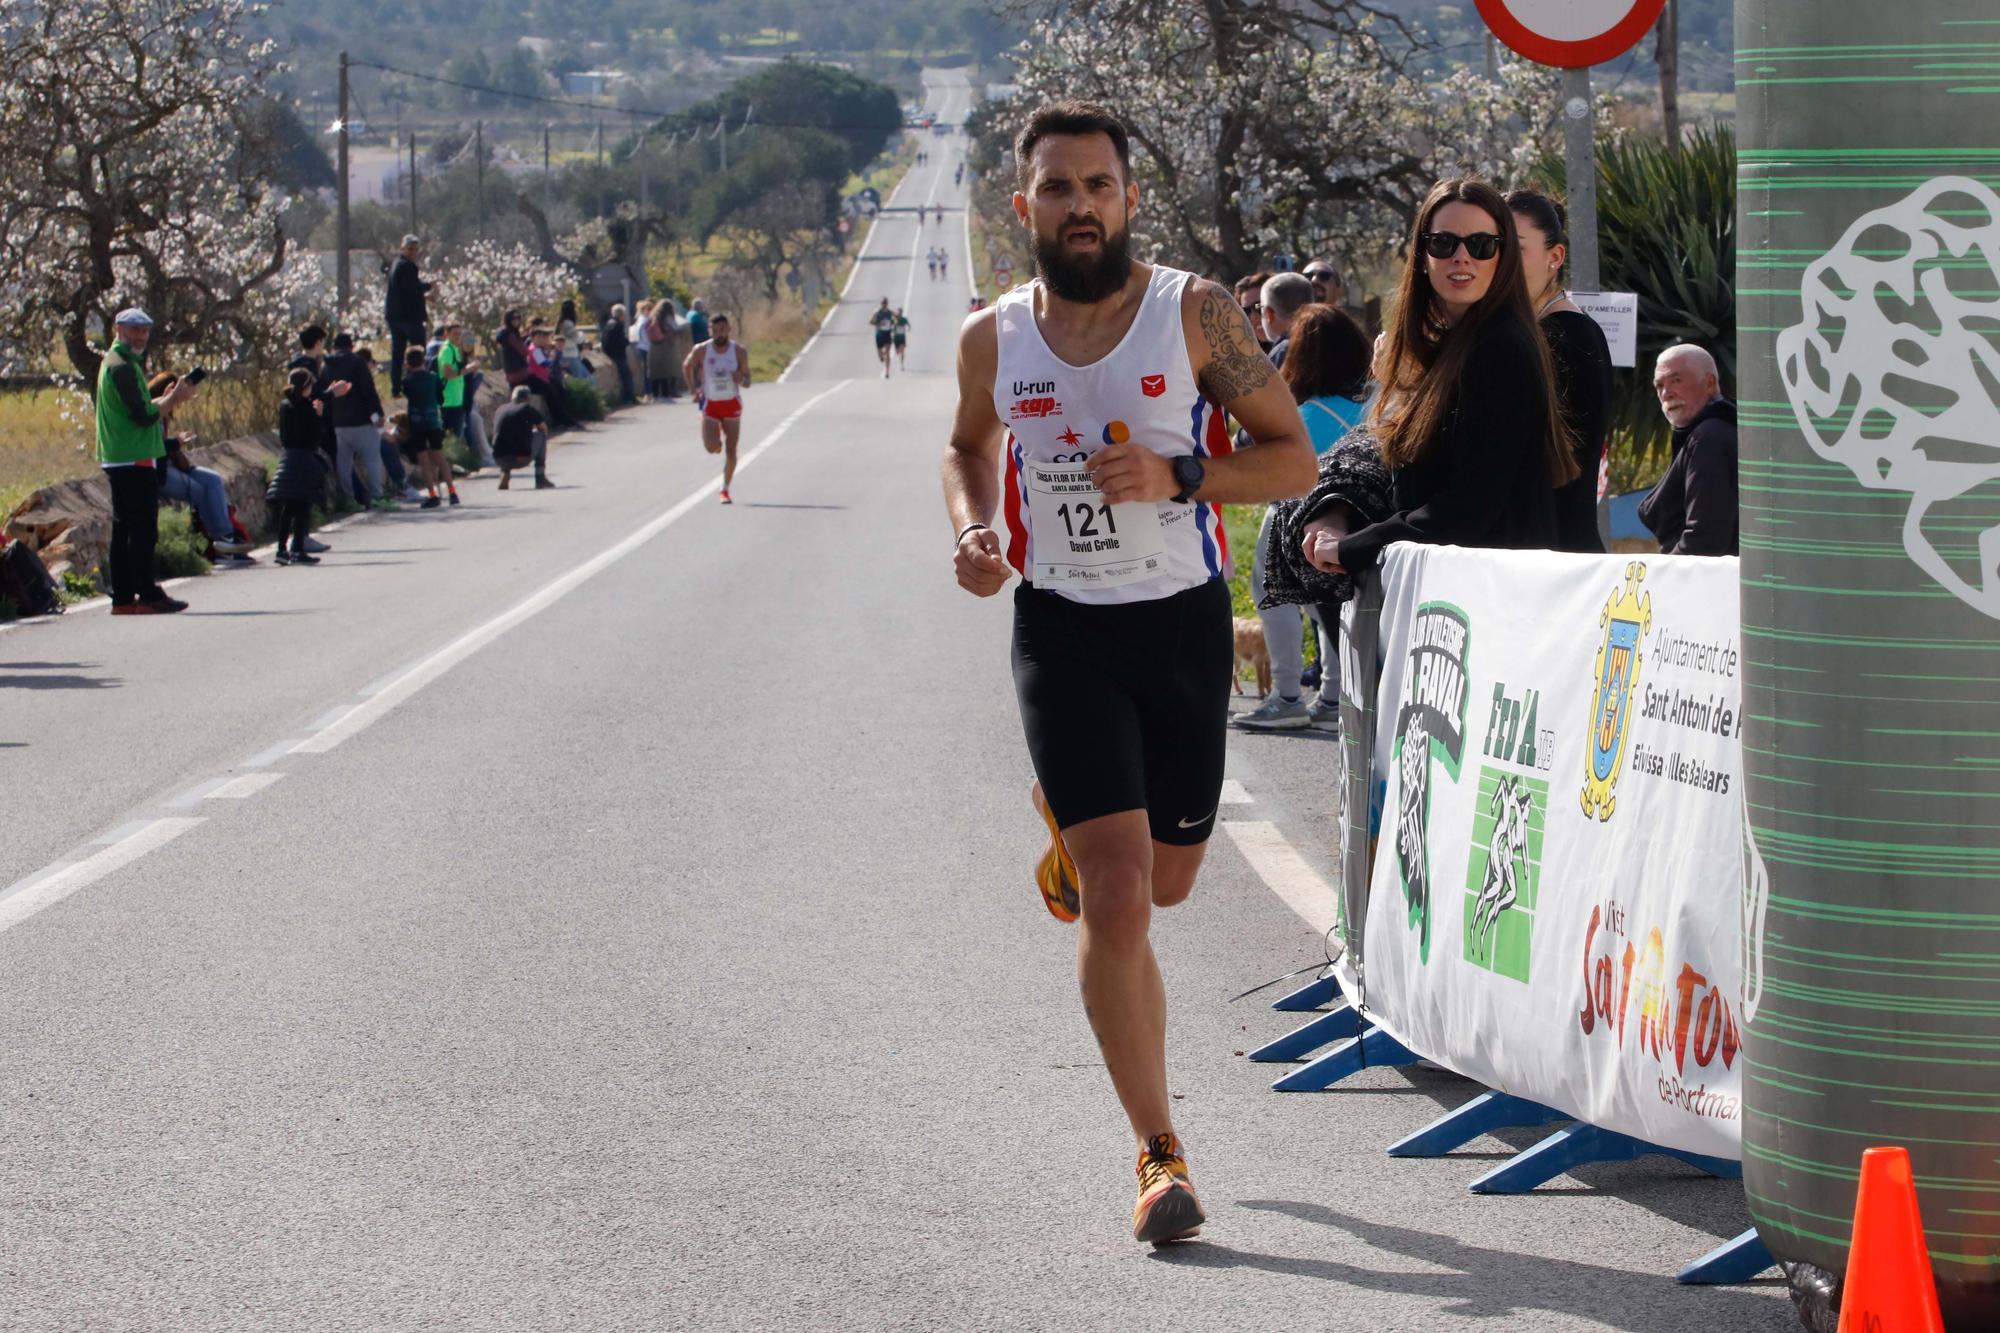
197	375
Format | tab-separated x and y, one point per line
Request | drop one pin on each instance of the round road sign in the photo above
1571	34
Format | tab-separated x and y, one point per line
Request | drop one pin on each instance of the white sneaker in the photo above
1323	716
1276	713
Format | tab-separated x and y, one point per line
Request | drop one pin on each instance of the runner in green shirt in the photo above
901	330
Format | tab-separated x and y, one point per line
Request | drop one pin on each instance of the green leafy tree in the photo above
1666	227
859	113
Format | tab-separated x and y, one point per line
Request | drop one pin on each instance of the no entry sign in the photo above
1571	34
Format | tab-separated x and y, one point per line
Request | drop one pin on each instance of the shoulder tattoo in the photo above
1236	366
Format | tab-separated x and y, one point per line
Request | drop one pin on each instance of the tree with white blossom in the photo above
131	173
1314	127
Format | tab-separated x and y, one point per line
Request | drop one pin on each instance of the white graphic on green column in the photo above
1892	371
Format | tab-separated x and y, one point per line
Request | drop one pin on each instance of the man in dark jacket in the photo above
404	311
617	342
354	408
1693	509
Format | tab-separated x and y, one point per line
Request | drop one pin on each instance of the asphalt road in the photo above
644	939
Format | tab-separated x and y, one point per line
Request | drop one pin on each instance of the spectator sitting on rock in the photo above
403	309
515	363
130	446
546	370
520	435
199	488
1693	509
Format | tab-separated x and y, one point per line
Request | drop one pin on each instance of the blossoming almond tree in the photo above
127	177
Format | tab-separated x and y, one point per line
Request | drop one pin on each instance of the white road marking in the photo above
873	229
357	719
1285	872
1233	793
237	789
29	896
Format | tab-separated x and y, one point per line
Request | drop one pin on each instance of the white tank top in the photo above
719	373
1143	390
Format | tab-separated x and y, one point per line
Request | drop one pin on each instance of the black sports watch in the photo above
1189	472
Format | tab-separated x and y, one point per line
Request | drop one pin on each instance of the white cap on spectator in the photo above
133	316
413	240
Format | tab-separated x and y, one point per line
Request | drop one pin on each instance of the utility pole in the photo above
548	179
1580	153
413	182
341	272
600	166
722	137
1492	58
1667	54
479	157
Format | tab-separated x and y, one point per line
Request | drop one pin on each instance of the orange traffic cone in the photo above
1889	1285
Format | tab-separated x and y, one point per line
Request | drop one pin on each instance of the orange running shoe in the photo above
1167	1208
1055	873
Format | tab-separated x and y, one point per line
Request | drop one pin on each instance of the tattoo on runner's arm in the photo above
1236	366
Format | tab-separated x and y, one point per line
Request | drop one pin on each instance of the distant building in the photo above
592	82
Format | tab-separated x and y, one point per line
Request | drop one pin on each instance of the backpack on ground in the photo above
25	581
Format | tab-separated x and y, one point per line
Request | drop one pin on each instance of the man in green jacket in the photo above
131	447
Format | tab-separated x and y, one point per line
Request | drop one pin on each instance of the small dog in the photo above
1251	651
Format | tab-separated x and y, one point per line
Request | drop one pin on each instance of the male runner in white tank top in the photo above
720	371
1102	385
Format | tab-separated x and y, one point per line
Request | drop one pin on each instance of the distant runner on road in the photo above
1103	384
900	333
884	320
721	368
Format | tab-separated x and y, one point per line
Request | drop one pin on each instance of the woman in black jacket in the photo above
1467	417
296	485
1582	359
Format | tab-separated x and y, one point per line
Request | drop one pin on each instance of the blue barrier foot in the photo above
1736	1260
1580	1145
1309	996
1300	1042
1482	1115
1372	1047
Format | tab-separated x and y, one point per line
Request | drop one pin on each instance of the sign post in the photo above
1573	35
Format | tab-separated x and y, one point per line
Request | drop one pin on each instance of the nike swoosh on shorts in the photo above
1197	823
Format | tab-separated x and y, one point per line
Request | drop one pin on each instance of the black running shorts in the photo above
881	339
1126	706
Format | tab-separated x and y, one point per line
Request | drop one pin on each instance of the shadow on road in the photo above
1490	1283
64	682
771	504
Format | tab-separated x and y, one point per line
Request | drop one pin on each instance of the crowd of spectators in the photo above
341	439
1479	417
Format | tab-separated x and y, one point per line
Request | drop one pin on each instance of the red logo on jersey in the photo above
1152	385
1069	436
1031	409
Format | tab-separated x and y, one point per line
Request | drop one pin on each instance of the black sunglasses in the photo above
1319	275
1444	244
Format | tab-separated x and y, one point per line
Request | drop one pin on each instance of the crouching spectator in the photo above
299	481
201	489
520	435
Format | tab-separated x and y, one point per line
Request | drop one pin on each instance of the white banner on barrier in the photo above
1553	909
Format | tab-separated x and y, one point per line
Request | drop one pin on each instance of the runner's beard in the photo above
1086	280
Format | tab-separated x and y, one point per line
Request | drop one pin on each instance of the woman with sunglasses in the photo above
1582	359
1467	418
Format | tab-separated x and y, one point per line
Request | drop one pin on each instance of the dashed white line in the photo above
29	896
1285	872
363	715
238	789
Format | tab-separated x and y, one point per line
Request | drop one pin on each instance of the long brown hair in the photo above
1328	355
1424	358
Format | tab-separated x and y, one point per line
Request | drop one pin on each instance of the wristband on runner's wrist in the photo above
970	527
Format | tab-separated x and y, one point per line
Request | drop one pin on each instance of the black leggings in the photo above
293	518
135	531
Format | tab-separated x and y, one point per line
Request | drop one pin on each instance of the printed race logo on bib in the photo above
1083	541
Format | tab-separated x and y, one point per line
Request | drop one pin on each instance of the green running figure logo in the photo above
1503	875
1432	723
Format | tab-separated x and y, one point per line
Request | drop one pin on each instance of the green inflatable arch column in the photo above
1869	288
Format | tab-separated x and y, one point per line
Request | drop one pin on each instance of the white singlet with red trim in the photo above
719	373
1143	390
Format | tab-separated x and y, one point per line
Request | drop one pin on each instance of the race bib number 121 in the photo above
1082	541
